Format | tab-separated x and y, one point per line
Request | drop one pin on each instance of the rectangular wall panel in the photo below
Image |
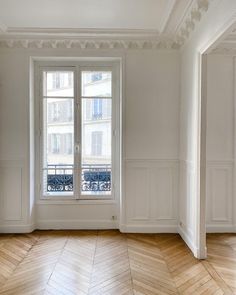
219	193
137	188
162	193
151	191
11	193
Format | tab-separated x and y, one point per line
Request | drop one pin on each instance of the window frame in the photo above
77	67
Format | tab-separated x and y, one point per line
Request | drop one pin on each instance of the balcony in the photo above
94	178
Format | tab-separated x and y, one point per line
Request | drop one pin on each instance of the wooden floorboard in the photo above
112	263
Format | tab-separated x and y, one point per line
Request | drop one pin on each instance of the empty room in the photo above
117	147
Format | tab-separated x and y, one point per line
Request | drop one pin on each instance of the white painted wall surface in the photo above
212	25
220	143
150	134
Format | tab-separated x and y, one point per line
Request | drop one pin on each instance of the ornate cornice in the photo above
107	38
192	17
88	44
224	50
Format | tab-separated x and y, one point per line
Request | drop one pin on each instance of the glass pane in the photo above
96	83
59	83
58	162
96	146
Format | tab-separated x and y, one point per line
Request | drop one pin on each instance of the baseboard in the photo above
89	225
220	228
17	228
76	224
148	228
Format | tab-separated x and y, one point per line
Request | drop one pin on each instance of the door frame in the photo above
201	132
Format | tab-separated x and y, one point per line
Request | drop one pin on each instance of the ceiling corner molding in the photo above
193	16
30	38
70	38
224	51
82	43
170	4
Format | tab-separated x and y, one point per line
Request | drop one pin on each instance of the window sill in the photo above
76	202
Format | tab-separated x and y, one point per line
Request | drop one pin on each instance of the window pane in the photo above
96	146
58	134
59	83
96	84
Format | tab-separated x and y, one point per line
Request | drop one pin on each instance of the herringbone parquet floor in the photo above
111	263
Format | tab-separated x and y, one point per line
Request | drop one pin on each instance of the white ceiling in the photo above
160	16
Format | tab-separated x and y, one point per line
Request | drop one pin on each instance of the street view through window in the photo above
77	133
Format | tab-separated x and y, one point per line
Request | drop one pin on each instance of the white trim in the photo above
170	4
77	65
122	198
151	160
193	16
184	15
217	37
77	202
88	43
107	224
201	150
125	38
234	146
17	228
148	228
219	162
57	224
220	228
82	32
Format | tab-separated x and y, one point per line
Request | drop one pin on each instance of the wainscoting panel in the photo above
186	206
11	175
152	194
163	195
219	196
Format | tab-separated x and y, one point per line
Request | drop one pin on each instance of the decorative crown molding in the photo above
224	50
189	22
88	44
227	45
107	38
170	4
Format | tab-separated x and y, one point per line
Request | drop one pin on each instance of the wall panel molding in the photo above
151	194
187	173
219	192
12	190
148	228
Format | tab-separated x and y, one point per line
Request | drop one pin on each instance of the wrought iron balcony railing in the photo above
94	178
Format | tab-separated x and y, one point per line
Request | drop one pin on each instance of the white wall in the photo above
151	138
220	143
151	134
192	211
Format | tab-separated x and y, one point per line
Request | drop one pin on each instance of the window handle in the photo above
77	148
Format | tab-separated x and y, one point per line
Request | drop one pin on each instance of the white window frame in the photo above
77	67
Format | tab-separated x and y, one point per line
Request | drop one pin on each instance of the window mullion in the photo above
77	140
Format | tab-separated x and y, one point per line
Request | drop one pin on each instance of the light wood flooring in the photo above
111	263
